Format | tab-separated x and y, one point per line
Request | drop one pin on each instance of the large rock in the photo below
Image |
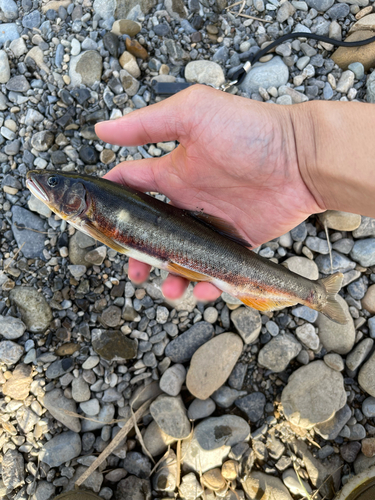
273	73
335	337
34	309
86	68
279	351
212	364
260	485
367	226
313	394
207	72
61	449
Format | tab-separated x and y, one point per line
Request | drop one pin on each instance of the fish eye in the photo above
52	181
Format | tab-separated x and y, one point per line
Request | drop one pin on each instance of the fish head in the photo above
64	194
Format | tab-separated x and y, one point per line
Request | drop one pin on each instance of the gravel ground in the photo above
80	345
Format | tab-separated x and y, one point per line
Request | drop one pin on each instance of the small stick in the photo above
114	443
250	17
178	456
233	5
242	7
14	258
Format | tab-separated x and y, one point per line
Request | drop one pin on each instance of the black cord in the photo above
240	74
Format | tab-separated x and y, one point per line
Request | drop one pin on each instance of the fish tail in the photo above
332	308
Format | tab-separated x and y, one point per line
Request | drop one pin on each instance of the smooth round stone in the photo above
91	407
340	221
170	415
91	362
172	379
293	483
368	407
11	328
366	376
105	416
162	29
80	390
248	323
349	451
259	484
126	27
364	252
201	408
85	68
206	72
61	449
225	396
34	309
368	447
138	464
273	73
56	403
129	63
226	430
303	266
334	361
335	337
156	440
182	348
4	67
306	334
357	69
356	357
313	394
278	352
210	315
368	301
212	364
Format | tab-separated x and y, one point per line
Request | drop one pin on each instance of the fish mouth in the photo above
36	189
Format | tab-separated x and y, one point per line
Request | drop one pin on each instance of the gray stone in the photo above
184	346
28	231
364	252
358	69
9	9
285	10
226	396
335	337
332	427
38	206
17	83
248	323
303	266
165	476
190	488
42	141
133	488
356	357
61	449
13	471
366	376
226	430
367	226
26	419
212	364
278	352
59	368
170	415
11	328
172	379
334	361
105	416
33	307
306	334
273	73
201	408
259	485
4	67
91	407
293	483
320	5
368	407
44	491
340	263
206	72
337	11
156	440
317	245
31	20
137	464
85	68
58	406
80	390
357	432
349	451
363	463
93	482
305	313
370	87
340	221
253	405
237	376
10	352
313	394
8	32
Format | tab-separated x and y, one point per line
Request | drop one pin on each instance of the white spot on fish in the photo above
124	216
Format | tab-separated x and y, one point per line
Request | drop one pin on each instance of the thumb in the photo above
159	122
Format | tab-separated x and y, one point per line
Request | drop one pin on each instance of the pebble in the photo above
18	385
4	67
313	394
210	315
248	323
368	407
206	72
166	474
334	361
340	221
114	345
61	449
201	408
156	440
137	464
367	226
129	63
278	352
356	357
127	487
10	352
306	334
56	403
253	405
368	447
349	451
212	364
105	416
9	32
80	390
366	375
13	472
184	346
340	263
261	484
11	328
91	407
273	73
170	415
363	252
303	266
172	379
126	27
190	489
332	427
85	68
136	49
26	419
293	483
335	337
225	396
368	301
28	231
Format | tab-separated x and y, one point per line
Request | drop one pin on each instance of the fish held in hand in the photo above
194	245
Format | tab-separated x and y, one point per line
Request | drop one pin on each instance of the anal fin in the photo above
174	268
265	304
91	230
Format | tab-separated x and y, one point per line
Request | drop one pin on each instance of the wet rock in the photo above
61	449
184	346
56	403
313	394
278	352
212	364
18	385
335	337
207	72
28	231
248	323
170	415
113	345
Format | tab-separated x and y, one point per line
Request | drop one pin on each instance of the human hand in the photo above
237	159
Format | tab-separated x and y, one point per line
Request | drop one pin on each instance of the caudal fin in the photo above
332	309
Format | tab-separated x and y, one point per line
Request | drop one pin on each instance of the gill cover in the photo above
74	200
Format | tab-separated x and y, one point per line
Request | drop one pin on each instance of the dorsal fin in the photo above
221	226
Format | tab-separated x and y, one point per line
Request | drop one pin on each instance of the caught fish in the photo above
194	245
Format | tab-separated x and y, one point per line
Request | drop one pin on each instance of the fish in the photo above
191	244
